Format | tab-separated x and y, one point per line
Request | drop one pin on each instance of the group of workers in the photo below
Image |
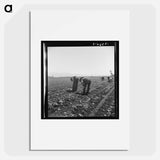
86	83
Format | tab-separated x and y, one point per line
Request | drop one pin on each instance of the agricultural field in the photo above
100	101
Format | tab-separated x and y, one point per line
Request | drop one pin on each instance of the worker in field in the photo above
111	77
102	78
75	83
86	85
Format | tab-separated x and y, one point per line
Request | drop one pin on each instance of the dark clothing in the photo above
102	78
75	84
110	79
86	85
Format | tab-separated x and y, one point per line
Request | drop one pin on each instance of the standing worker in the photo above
75	83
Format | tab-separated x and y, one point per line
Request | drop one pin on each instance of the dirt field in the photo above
63	103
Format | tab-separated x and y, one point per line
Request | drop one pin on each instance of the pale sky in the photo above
85	61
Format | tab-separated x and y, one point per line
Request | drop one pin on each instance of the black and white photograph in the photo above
79	79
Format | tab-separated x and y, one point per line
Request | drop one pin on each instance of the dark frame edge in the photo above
114	43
